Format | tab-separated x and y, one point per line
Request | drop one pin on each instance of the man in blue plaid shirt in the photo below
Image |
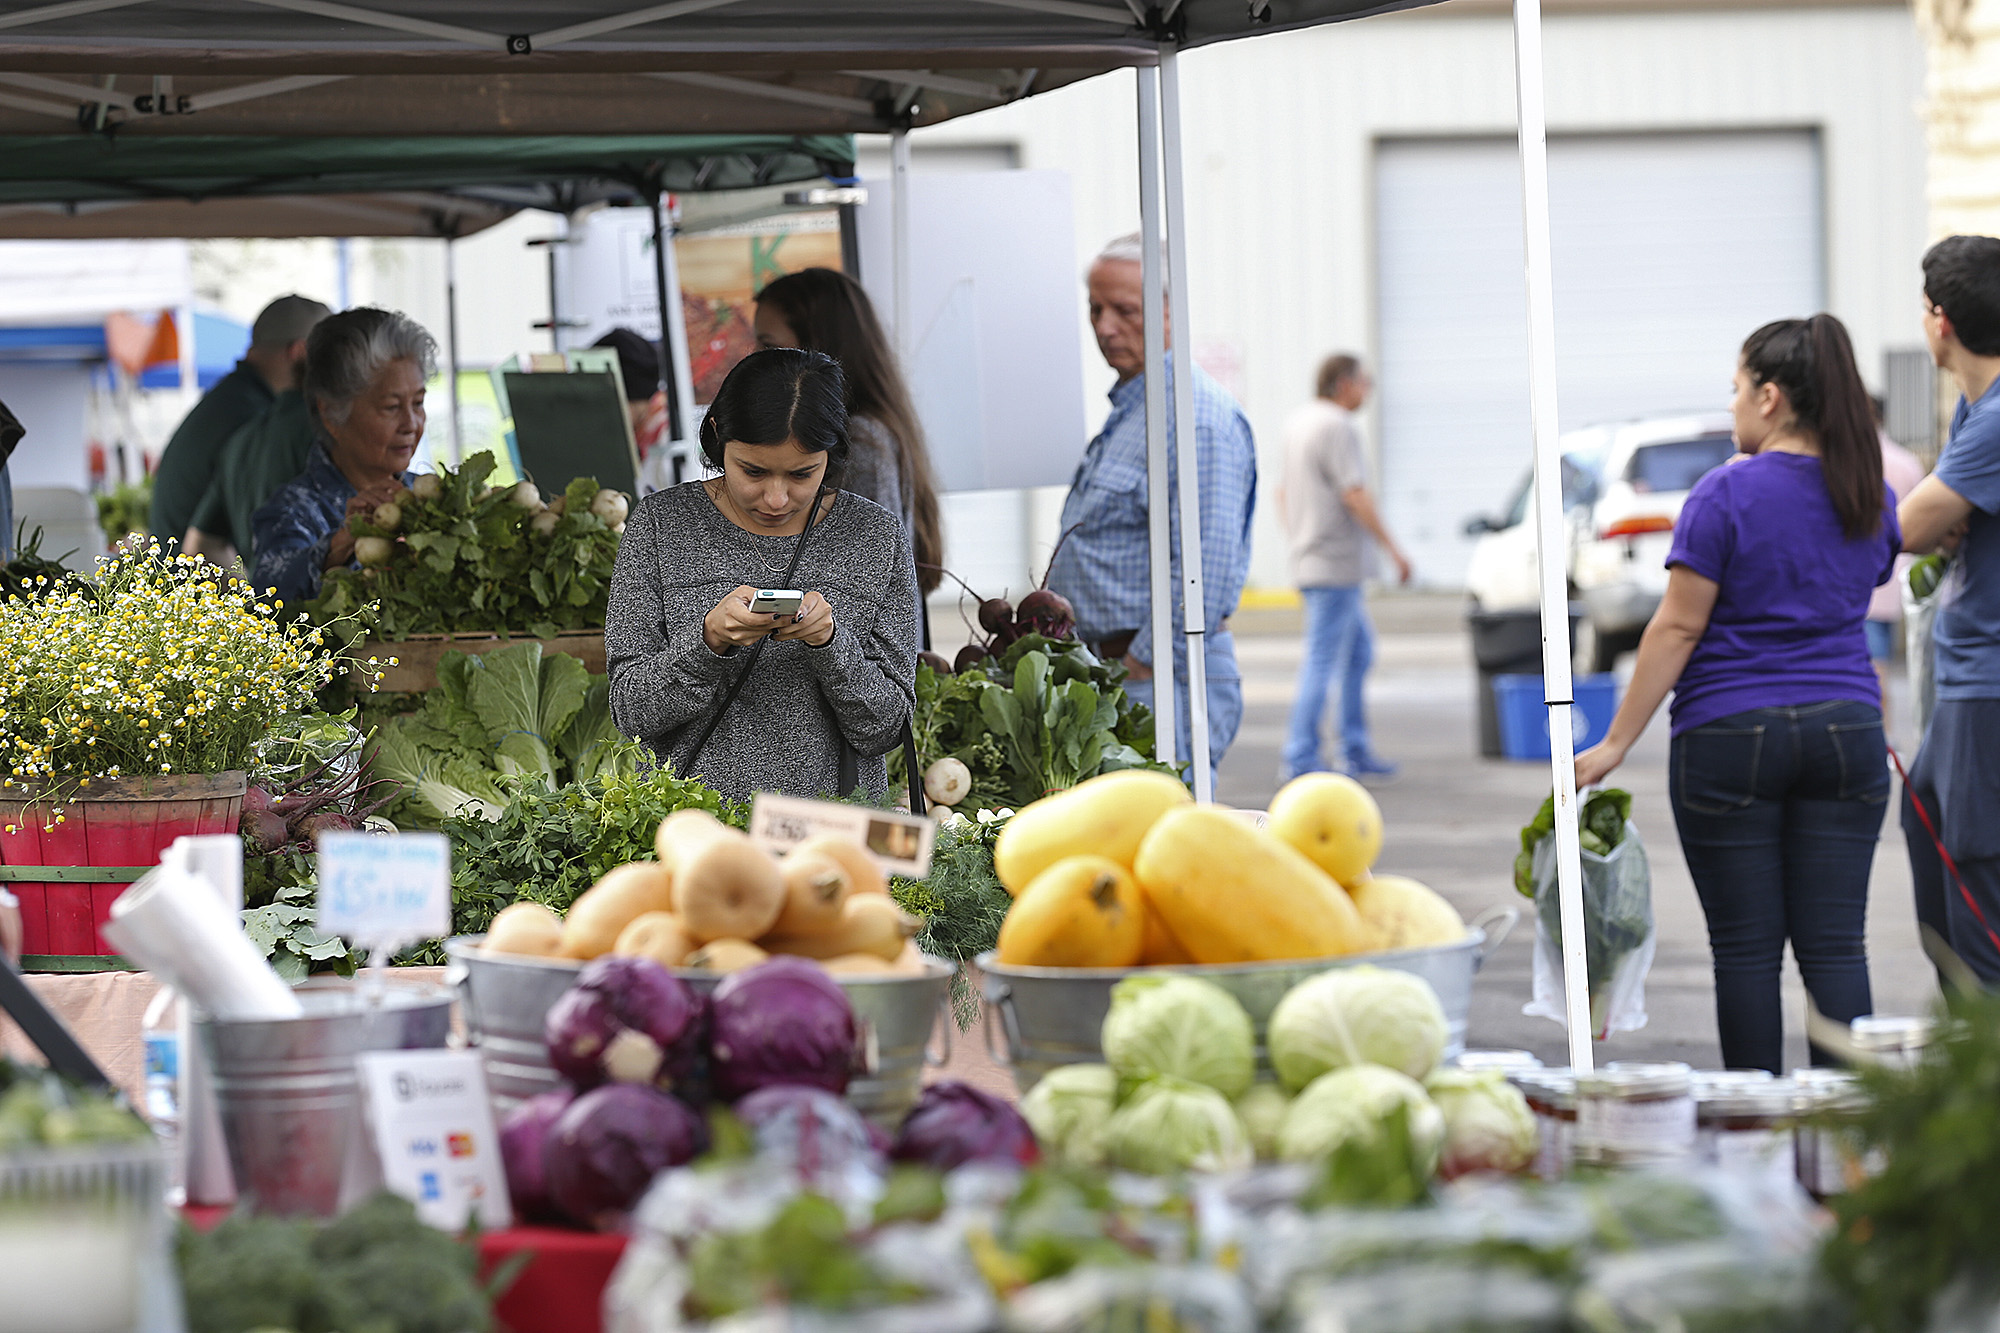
1103	567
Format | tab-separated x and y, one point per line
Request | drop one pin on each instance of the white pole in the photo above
1159	536
673	319
1187	455
1550	547
899	244
451	348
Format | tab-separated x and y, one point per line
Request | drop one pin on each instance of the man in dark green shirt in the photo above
277	350
264	453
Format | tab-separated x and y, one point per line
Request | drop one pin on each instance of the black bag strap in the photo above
750	660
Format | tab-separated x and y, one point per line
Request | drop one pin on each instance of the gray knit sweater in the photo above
679	555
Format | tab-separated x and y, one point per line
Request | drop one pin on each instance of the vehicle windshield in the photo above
1676	465
1579	485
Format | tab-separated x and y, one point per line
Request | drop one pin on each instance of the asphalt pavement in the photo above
1452	820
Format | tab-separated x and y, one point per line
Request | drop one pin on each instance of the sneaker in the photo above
1371	766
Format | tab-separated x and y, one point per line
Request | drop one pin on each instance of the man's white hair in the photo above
1128	249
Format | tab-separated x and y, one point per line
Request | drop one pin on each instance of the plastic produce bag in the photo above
1444	1298
1707	1289
1924	591
1152	1297
1619	936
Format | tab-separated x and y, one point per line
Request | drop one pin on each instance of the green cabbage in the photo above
1349	1107
1487	1123
1068	1111
1262	1111
1170	1124
1356	1015
1180	1026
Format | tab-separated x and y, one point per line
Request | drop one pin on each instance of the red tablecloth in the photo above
561	1290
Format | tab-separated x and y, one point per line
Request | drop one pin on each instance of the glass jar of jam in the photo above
1635	1114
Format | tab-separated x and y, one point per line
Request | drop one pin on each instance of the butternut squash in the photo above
1160	949
816	888
864	872
608	906
660	936
725	956
1105	816
869	923
525	928
727	887
1232	894
1083	911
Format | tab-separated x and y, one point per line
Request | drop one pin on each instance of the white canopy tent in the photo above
325	67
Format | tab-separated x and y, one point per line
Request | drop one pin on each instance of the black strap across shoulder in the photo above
849	769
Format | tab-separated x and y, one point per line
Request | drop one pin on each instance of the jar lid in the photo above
1504	1061
1825	1089
1772	1097
1724	1080
1891	1032
1556	1087
1636	1079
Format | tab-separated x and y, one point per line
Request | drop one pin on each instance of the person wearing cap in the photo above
270	366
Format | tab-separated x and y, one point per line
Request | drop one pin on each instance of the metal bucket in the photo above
1051	1016
290	1098
507	999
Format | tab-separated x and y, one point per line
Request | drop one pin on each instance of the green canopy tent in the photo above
72	185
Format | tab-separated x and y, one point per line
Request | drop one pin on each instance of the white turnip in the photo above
427	487
388	516
947	781
373	551
610	507
545	522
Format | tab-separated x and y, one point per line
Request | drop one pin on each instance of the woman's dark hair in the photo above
1962	278
829	312
1812	361
779	394
638	363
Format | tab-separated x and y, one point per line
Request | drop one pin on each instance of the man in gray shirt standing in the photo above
1331	522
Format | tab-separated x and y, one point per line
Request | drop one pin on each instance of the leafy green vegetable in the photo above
41	1108
961	903
471	559
1040	717
805	1256
1601	828
1927	573
375	1270
516	712
1390	1168
283	926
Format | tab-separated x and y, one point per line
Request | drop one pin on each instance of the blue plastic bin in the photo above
1524	718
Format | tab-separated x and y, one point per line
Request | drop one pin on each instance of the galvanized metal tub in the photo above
506	1000
1049	1016
290	1097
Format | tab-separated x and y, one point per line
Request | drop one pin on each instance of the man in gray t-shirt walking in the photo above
1332	523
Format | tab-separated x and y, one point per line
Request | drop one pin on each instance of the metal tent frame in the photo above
324	67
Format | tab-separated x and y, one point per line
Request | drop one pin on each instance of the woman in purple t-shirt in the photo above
1778	769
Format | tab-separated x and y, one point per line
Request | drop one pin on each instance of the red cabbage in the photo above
955	1123
610	1143
627	1020
523	1138
782	1021
809	1129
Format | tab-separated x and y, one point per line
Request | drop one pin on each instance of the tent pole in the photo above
673	320
664	349
1550	546
899	244
1187	454
451	345
1158	493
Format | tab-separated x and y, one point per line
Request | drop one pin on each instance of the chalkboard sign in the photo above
572	425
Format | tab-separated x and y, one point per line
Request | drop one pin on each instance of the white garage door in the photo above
1669	250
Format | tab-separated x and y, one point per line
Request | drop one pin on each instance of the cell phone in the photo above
776	602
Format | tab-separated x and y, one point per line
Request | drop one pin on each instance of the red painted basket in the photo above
112	832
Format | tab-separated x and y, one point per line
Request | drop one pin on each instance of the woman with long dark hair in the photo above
1778	769
824	310
806	701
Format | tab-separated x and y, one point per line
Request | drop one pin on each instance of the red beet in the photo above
996	615
1048	614
969	657
935	662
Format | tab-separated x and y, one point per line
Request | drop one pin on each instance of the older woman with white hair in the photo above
364	384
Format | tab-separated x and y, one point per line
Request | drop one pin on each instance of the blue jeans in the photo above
1779	810
1957	777
1340	643
1225	697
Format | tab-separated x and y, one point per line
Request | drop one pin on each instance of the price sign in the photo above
902	842
384	891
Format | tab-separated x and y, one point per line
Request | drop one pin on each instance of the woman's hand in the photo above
340	550
1596	763
814	624
729	625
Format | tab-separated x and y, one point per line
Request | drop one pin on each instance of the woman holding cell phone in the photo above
767	693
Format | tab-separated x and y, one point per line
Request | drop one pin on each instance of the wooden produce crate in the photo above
417	657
